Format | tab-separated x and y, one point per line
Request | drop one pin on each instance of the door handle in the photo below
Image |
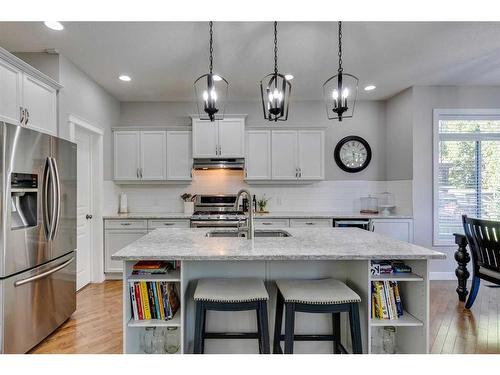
44	274
88	216
45	199
57	199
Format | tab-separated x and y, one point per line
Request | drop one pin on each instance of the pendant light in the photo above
211	90
340	91
275	89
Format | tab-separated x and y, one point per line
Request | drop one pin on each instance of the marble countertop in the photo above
271	215
305	244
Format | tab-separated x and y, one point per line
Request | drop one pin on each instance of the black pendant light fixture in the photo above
275	89
340	91
211	90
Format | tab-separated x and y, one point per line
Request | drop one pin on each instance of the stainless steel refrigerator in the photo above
37	236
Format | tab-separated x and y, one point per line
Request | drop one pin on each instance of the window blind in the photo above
467	173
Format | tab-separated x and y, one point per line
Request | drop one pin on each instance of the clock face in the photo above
352	154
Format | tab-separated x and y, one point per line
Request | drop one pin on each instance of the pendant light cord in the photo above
275	47
211	63
340	47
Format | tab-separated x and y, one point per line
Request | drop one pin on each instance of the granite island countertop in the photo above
304	244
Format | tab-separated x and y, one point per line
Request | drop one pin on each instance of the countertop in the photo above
271	215
305	244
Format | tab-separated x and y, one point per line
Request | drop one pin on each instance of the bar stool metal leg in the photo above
355	328
278	320
289	327
336	332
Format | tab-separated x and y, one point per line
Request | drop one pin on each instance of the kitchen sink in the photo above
257	233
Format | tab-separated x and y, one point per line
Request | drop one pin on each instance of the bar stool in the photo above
231	295
316	296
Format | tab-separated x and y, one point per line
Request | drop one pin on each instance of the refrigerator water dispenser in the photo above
23	196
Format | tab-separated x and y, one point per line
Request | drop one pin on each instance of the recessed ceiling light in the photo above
124	78
288	77
370	87
54	25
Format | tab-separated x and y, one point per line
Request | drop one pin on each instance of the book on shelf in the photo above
154	267
153	300
388	267
386	300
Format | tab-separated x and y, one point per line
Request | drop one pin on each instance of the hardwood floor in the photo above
96	326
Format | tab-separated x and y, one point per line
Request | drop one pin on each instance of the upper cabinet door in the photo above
179	157
284	155
258	155
205	139
40	102
153	155
126	155
10	93
232	138
311	155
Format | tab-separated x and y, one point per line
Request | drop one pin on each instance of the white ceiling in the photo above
164	58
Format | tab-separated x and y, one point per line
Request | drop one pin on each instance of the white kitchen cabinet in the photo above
284	155
40	104
10	93
258	155
126	155
179	155
298	155
305	223
153	161
25	99
399	229
219	139
268	223
311	154
115	240
231	138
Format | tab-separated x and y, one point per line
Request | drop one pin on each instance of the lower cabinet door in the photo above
398	229
115	240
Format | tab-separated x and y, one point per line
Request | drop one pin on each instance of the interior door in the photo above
231	138
311	154
84	207
205	142
284	154
153	155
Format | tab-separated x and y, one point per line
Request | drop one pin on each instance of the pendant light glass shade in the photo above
340	91
211	91
275	90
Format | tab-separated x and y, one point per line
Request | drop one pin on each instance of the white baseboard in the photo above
442	276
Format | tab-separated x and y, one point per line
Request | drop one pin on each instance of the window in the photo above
466	169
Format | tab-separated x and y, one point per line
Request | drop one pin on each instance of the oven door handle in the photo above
44	274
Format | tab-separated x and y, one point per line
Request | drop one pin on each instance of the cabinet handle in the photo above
168	224
140	171
27	117
21	115
300	173
309	223
220	150
267	223
125	224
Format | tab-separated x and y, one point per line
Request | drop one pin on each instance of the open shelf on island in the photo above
174	322
398	277
406	320
172	276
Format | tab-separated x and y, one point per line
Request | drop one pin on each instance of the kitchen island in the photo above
341	253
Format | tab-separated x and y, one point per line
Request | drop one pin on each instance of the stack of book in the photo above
387	267
154	267
153	300
386	300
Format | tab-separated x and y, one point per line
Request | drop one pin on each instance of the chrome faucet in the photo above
249	228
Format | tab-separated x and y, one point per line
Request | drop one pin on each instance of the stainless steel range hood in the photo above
230	163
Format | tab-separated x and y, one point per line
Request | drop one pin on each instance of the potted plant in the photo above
262	204
188	203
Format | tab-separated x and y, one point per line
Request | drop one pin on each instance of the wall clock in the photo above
352	154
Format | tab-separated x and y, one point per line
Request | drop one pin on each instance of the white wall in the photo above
425	99
368	122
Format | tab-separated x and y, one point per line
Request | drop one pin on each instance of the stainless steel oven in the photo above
365	224
217	211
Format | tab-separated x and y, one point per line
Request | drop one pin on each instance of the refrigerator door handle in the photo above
57	199
44	274
45	200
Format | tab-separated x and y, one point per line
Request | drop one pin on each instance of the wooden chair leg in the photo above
277	324
198	329
289	327
263	328
476	282
355	329
336	332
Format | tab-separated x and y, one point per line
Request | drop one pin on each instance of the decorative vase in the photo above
188	208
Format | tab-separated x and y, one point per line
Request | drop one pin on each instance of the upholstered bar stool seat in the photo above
231	295
316	296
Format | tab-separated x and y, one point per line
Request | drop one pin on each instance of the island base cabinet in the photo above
115	240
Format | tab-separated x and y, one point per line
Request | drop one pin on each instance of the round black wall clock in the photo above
352	154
